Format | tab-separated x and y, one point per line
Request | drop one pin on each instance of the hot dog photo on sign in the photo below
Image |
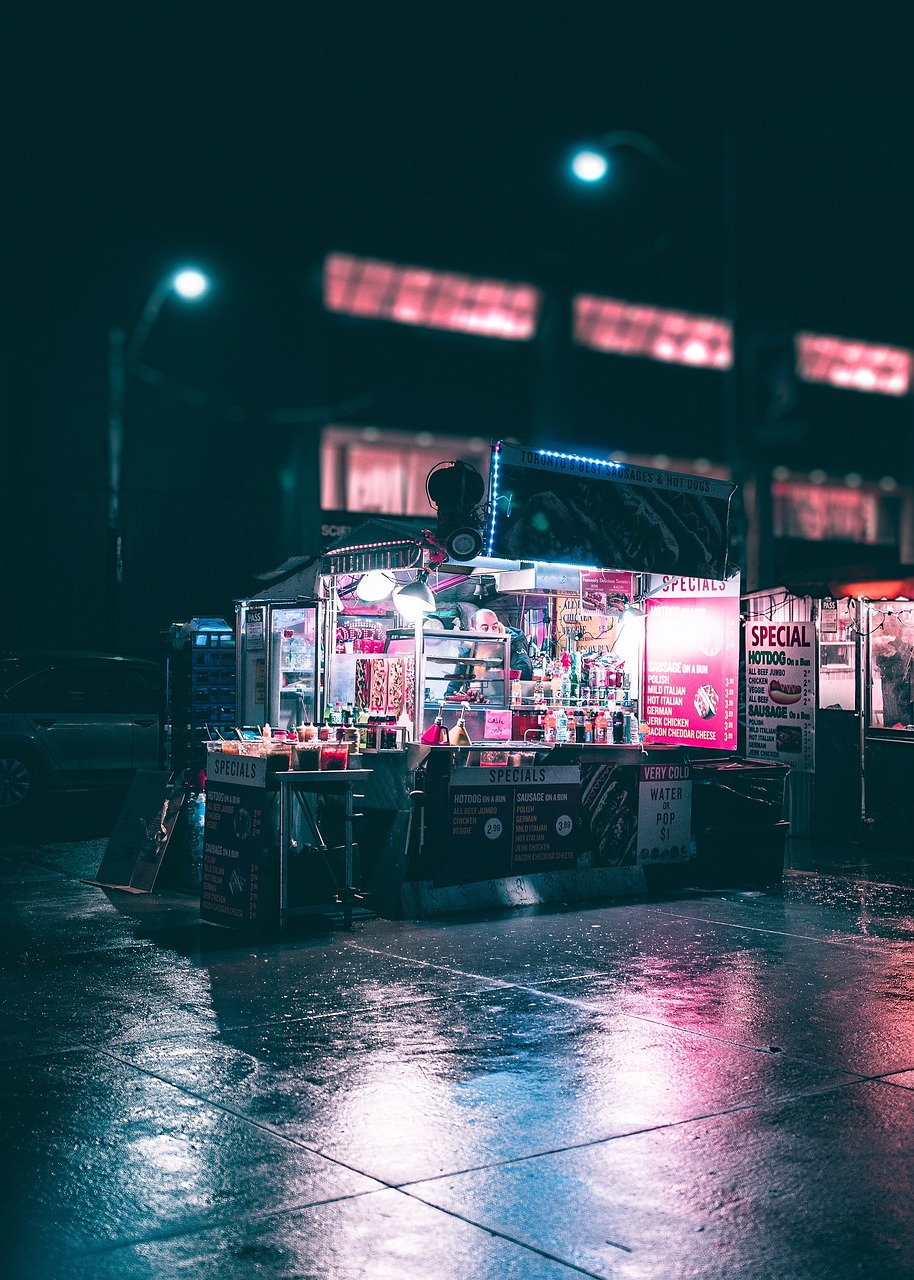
784	693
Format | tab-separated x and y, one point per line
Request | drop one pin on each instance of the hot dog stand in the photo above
618	579
486	783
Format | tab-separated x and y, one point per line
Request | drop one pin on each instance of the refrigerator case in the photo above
277	645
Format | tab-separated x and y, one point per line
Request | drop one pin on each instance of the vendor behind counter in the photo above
487	620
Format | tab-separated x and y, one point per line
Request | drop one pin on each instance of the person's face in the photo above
486	620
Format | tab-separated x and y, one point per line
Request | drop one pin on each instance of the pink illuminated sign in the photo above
863	366
691	649
432	299
630	329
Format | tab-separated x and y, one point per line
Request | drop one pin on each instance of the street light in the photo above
123	353
591	165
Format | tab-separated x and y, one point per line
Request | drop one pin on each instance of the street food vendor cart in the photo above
526	721
575	781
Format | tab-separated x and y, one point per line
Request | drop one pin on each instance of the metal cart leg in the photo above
348	888
285	832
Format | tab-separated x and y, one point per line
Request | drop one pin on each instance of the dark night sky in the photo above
254	139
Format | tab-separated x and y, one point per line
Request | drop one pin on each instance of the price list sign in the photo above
234	841
781	666
664	812
692	662
508	820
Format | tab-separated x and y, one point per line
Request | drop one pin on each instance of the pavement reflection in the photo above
716	1084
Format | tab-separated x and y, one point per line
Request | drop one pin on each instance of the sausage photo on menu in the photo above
784	694
706	700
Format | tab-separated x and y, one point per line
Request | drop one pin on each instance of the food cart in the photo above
545	755
618	580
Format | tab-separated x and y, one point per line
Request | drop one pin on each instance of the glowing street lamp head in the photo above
190	283
588	165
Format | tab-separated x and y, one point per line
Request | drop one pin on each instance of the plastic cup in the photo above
307	755
334	755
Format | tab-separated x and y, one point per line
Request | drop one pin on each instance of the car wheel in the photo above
20	780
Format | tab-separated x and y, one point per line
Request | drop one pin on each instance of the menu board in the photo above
605	590
692	661
234	842
781	692
506	820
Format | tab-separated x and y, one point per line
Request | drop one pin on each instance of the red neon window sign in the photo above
631	329
863	366
432	299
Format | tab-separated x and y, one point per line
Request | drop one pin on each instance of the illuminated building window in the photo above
823	512
630	329
384	472
432	299
863	366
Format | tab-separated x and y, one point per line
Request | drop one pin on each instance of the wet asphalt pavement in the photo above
715	1084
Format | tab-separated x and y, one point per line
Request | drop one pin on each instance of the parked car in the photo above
72	721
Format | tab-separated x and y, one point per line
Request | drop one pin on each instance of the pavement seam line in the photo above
200	1228
256	1124
266	1214
503	984
503	1235
854	944
768	1105
398	1186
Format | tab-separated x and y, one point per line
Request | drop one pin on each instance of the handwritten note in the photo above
497	725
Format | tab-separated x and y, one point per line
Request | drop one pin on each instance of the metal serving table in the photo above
330	782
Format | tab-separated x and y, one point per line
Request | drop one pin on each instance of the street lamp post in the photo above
123	353
591	164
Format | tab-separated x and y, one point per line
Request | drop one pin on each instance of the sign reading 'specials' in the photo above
250	771
511	820
237	864
563	508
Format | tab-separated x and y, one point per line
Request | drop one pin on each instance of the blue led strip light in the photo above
496	455
577	457
543	453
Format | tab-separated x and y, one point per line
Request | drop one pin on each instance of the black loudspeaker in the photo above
463	543
456	490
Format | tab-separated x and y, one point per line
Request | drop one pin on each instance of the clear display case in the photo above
476	664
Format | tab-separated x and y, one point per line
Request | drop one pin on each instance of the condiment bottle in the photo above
436	735
458	736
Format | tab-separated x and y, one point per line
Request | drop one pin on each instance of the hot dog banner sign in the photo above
781	665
